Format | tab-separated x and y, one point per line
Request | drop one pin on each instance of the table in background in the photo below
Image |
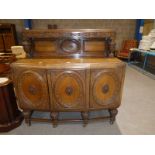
144	53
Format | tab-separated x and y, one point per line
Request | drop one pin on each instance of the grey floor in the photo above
136	114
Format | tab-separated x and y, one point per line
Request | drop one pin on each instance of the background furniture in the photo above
7	37
126	46
143	59
5	60
10	116
18	51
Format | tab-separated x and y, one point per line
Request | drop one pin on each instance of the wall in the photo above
148	26
125	28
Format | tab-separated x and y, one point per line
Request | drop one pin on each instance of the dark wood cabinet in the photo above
10	116
7	37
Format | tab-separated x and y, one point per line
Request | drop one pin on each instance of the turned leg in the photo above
113	113
54	116
27	116
84	116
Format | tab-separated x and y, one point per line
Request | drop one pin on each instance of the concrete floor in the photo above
136	114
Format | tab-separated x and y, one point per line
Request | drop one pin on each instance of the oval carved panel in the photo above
105	88
70	46
32	89
68	90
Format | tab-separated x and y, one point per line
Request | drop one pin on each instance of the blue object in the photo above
139	27
27	24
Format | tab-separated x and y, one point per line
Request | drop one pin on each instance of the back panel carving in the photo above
42	46
69	46
94	46
69	43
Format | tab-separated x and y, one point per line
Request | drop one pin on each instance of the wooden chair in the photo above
126	46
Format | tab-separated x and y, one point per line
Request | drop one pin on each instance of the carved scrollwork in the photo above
70	45
27	44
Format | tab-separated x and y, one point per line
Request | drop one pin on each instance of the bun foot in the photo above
84	116
113	113
55	125
27	116
85	124
111	121
54	116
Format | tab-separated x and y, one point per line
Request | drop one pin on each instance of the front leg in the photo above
84	116
27	116
54	116
113	113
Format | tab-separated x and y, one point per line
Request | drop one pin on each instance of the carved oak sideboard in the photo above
68	85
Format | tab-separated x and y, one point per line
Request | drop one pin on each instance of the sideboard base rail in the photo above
56	121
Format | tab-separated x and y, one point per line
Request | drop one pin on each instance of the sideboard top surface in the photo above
66	30
62	63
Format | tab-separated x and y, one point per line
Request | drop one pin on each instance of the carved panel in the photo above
45	45
105	88
68	89
69	42
31	87
69	46
94	46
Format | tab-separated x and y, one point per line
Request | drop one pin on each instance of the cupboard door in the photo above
67	90
105	88
2	48
31	88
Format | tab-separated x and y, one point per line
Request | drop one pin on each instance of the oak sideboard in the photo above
68	85
68	70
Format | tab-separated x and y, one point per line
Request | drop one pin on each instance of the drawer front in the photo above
31	88
105	88
67	89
